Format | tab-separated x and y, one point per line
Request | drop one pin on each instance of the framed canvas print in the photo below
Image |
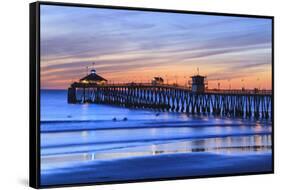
120	94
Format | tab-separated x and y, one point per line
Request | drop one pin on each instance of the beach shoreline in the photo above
159	166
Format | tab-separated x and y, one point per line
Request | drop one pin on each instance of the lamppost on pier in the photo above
185	79
218	84
229	84
176	77
258	81
87	68
167	79
243	87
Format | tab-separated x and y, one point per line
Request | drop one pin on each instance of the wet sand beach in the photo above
161	166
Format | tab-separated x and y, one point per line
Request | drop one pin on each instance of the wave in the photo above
148	121
136	127
202	149
156	139
70	121
74	126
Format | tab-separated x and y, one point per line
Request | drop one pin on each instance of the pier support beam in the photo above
71	96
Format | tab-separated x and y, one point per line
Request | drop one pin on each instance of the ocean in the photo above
84	143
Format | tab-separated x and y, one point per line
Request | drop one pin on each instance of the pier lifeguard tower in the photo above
198	83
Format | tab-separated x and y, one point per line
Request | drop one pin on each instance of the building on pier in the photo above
157	80
198	83
93	78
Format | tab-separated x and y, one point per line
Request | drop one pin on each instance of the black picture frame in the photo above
34	93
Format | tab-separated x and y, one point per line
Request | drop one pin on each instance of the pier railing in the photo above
221	91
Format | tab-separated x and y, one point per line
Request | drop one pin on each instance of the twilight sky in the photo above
136	45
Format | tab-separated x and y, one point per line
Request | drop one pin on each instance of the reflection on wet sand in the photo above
226	145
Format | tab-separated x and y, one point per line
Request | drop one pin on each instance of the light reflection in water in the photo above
228	145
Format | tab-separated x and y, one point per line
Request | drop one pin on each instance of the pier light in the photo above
93	71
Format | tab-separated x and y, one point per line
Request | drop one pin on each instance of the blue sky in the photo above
137	45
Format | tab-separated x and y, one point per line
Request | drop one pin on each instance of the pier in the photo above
163	97
195	99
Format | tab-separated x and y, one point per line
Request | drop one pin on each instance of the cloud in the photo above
130	41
